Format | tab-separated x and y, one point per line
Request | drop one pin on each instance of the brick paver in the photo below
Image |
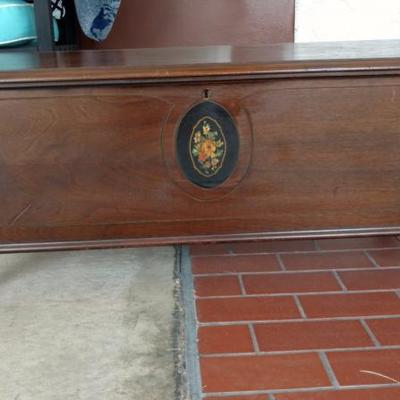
299	320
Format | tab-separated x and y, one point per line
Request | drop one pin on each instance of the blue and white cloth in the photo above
96	17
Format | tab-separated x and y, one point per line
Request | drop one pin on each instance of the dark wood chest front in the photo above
88	147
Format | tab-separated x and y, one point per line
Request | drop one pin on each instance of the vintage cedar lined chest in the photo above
179	145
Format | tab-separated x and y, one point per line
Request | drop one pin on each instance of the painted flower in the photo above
197	137
207	150
206	128
207	147
214	162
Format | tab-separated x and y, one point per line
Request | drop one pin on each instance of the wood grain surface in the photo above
199	64
95	166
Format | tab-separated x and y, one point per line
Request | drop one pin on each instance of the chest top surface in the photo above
200	63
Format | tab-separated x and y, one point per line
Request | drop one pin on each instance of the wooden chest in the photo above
134	147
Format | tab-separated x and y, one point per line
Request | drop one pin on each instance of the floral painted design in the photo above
207	147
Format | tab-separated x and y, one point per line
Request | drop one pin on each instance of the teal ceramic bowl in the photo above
17	23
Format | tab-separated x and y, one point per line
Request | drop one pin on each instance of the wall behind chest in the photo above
343	20
170	23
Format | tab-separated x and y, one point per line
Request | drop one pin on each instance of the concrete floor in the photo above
88	325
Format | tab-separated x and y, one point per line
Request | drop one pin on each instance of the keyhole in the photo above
206	93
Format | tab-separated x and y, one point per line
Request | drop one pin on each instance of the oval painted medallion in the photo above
207	144
207	147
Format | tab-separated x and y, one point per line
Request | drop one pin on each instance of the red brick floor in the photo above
299	320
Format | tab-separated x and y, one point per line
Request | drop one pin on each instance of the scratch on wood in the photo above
20	214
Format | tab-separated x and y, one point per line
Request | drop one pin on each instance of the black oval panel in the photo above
207	144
